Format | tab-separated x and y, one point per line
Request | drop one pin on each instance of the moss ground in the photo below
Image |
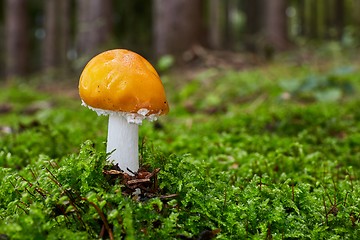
265	153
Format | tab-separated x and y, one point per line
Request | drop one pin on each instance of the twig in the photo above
33	173
168	196
28	182
25	204
53	178
135	181
102	231
225	198
103	218
26	211
113	172
17	191
30	193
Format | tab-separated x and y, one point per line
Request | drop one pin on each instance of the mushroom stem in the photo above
122	142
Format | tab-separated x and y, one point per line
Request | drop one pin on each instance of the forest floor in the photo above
250	148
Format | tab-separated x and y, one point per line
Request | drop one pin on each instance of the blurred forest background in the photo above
60	36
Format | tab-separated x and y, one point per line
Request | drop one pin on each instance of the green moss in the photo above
257	154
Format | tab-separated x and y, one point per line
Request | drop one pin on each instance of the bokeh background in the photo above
58	37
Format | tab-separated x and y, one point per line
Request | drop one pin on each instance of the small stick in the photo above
103	218
131	182
17	191
101	235
54	178
113	172
169	196
33	173
27	212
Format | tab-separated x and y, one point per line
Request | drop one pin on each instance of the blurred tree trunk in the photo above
321	17
16	38
312	23
177	26
339	18
215	24
94	19
329	18
302	18
56	40
276	34
254	16
229	31
356	15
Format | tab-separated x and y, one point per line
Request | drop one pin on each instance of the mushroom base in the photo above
122	143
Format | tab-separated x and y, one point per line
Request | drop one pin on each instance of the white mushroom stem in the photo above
122	143
122	140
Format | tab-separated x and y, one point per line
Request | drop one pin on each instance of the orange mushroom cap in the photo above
122	81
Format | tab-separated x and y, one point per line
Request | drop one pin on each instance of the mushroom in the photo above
125	86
